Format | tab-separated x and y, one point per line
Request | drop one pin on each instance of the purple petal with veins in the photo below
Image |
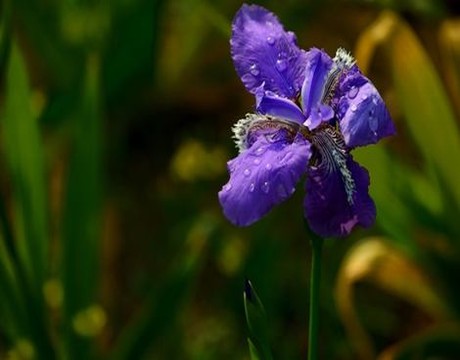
263	176
329	208
362	114
263	52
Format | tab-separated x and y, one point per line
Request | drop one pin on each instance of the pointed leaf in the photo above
257	322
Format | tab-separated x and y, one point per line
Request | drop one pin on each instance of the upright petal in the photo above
269	103
263	51
316	74
263	176
332	207
363	116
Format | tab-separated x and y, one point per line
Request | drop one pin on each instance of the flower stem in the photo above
315	278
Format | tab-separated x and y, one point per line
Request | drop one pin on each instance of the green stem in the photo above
315	278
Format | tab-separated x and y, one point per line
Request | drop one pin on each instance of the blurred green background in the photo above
115	120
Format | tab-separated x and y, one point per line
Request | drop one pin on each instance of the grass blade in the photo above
82	213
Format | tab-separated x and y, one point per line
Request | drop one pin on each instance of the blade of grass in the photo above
24	155
425	104
257	324
82	212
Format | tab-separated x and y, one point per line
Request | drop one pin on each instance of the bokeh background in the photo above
115	131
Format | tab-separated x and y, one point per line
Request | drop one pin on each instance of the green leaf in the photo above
256	321
253	352
425	104
24	153
82	212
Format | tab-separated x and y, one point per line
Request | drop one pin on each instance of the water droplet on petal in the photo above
270	39
281	65
281	190
247	172
373	123
353	92
286	157
259	151
254	70
268	166
265	187
353	107
227	187
257	161
251	187
364	97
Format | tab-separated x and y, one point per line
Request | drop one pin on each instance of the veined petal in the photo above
327	207
318	66
271	104
337	188
263	176
262	51
363	116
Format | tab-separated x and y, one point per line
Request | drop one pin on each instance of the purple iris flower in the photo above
311	111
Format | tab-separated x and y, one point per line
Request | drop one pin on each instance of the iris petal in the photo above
329	209
263	52
363	116
318	67
270	104
263	176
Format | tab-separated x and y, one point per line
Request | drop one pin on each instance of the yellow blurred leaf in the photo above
376	262
449	41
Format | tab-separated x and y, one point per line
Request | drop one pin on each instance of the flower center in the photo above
343	62
247	130
330	154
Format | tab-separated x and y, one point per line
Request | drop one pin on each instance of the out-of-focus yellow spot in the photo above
232	255
80	24
23	350
372	37
52	291
38	102
193	161
362	262
90	321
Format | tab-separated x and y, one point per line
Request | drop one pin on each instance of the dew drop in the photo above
373	123
268	166
364	97
286	156
228	187
270	40
353	92
281	65
247	172
353	108
259	151
281	190
254	70
265	187
257	161
252	187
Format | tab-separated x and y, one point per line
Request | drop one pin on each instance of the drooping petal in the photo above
263	176
318	67
269	103
363	116
334	205
262	51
